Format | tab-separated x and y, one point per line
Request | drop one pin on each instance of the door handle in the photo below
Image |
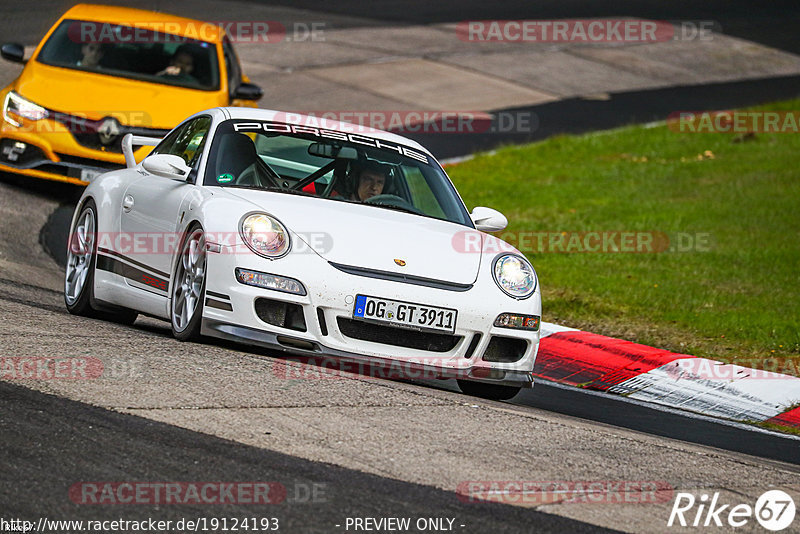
127	203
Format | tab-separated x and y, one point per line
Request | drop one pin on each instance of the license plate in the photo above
405	314
87	175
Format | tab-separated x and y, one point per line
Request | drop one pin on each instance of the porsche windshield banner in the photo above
337	135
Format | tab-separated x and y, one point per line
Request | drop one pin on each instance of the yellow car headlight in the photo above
15	108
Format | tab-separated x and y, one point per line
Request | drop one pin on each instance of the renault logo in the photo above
108	130
401	263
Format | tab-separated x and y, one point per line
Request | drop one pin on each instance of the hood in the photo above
370	237
133	102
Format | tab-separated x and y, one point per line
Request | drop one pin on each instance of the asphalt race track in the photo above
167	411
55	439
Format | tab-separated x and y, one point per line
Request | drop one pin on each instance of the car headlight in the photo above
16	107
514	275
265	235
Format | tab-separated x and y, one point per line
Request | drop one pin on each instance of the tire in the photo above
488	391
81	260
79	273
189	287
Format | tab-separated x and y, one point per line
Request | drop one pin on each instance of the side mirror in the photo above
14	52
167	166
488	220
248	91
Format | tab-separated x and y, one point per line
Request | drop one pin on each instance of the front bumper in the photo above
47	149
231	314
303	347
62	168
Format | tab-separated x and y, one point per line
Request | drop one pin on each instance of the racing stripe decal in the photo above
113	265
132	261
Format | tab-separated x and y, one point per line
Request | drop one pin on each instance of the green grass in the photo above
779	428
740	298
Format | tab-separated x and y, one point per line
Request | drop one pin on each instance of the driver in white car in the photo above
372	178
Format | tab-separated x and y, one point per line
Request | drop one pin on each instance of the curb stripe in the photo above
711	392
648	374
548	329
591	360
790	418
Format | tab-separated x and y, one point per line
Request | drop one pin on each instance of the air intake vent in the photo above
399	337
505	349
472	346
323	326
283	314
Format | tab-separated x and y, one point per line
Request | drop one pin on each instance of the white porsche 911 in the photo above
313	237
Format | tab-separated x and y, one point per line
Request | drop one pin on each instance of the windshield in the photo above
128	52
331	164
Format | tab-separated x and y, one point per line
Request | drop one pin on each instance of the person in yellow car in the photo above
181	66
92	53
101	72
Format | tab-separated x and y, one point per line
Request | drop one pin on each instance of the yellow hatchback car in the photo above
102	72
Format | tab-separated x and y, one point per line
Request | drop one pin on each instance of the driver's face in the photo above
370	184
92	53
184	62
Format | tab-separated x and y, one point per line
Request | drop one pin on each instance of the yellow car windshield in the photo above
137	53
